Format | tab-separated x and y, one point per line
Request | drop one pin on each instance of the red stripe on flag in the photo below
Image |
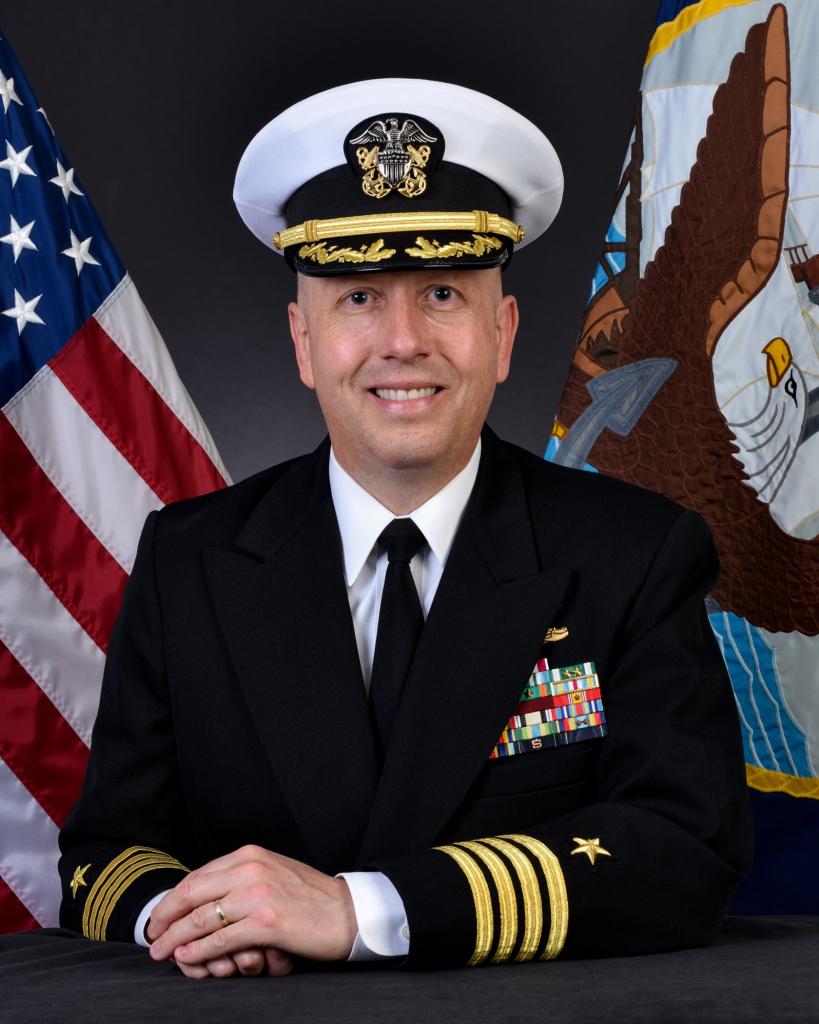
37	743
133	416
13	915
45	529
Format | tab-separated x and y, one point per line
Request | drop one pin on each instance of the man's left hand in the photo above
268	902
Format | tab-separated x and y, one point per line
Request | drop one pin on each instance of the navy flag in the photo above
696	373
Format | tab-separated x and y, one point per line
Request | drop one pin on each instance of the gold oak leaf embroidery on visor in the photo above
427	250
320	252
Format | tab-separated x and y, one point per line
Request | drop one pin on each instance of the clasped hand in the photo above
273	907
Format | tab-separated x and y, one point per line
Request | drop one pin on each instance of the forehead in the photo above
475	282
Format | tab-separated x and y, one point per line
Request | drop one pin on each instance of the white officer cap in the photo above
398	173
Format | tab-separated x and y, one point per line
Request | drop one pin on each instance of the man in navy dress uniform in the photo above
418	694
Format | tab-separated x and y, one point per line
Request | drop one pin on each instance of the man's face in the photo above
404	364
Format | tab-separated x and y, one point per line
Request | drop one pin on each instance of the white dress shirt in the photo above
379	910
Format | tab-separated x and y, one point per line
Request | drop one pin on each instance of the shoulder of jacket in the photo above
212	517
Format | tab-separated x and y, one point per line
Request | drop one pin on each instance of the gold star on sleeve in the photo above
78	879
591	847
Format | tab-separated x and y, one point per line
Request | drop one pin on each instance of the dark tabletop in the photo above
760	969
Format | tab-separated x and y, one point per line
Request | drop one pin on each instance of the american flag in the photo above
96	430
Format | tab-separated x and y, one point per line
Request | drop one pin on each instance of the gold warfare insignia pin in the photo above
393	152
555	633
591	847
78	879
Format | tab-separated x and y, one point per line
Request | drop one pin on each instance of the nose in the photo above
404	332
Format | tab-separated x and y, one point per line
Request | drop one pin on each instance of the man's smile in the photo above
407	398
404	394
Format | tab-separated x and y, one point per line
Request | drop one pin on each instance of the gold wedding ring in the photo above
220	913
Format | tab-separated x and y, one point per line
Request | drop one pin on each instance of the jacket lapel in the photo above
479	644
282	604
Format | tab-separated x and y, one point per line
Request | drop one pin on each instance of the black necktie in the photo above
400	621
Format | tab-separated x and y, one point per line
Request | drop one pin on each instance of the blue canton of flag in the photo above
56	262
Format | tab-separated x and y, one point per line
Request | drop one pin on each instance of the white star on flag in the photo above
18	238
7	92
79	252
23	311
65	181
45	115
15	163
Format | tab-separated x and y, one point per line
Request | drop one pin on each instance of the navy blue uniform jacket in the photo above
233	711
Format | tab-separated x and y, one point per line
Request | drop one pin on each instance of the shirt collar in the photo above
361	518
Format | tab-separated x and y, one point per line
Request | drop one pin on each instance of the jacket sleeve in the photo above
126	839
652	863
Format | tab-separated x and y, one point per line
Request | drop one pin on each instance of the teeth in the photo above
400	395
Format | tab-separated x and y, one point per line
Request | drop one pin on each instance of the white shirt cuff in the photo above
142	920
379	912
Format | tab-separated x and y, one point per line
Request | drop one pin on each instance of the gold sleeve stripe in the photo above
136	873
558	898
530	890
119	882
104	895
104	879
378	223
484	929
98	900
508	932
98	884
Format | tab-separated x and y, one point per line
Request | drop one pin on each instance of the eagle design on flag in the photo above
650	343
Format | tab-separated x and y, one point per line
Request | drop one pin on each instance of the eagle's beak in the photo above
779	360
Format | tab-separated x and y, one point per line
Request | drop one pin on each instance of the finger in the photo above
250	962
193	891
231	939
278	963
193	970
222	967
202	920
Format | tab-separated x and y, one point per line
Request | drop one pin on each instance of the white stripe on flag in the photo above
28	850
127	322
49	642
99	484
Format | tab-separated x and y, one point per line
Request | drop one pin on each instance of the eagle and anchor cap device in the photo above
398	174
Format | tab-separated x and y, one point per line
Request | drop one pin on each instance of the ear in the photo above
507	318
301	342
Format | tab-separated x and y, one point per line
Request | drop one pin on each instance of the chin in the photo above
411	453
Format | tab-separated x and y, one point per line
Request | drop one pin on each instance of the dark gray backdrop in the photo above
155	101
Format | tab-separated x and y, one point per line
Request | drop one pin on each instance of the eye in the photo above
790	389
359	298
443	293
